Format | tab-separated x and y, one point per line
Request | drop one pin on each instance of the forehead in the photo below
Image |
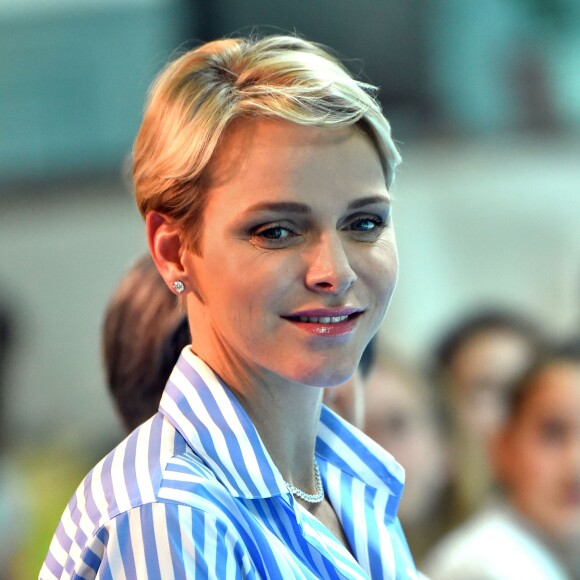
494	342
493	353
555	388
390	389
273	156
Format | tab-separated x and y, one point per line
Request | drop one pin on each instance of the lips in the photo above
326	321
324	315
321	319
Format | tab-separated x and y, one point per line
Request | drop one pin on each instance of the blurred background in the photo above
484	101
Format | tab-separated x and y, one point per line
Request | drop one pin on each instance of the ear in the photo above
167	248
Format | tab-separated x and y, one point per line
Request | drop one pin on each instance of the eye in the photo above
274	233
399	425
365	228
553	431
366	224
272	236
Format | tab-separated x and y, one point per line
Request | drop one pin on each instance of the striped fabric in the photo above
193	493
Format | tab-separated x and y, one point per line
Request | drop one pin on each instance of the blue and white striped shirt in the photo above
193	493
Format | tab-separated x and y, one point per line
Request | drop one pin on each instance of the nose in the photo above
329	268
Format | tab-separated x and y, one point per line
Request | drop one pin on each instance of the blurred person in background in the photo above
474	364
6	344
14	498
404	417
278	238
533	531
144	331
35	479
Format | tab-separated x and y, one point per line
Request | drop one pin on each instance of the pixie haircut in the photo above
199	94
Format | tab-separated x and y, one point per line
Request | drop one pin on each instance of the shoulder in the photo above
129	476
492	545
151	488
154	540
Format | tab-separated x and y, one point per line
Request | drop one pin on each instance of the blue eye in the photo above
366	224
364	227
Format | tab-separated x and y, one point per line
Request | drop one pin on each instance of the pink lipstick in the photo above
325	321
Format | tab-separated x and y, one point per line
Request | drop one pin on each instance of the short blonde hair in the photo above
200	93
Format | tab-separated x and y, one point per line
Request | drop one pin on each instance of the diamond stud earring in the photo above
178	286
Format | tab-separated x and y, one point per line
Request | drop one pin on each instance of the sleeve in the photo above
171	541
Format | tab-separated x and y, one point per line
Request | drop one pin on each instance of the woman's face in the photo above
540	452
480	373
298	258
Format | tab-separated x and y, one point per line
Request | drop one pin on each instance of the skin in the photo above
348	400
399	418
537	455
479	374
261	263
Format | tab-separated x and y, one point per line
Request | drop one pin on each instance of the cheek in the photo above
541	492
255	300
407	453
379	269
527	462
239	279
228	293
535	473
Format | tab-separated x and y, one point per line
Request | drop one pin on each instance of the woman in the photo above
403	415
262	170
475	364
535	532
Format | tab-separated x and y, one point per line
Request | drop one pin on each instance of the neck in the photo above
285	414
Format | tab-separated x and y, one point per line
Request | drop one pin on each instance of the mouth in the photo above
326	322
323	319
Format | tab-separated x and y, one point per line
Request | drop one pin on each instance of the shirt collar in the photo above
344	446
218	429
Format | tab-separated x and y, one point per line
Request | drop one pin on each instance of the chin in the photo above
317	369
571	529
325	378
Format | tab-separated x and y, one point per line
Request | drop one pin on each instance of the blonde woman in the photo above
262	169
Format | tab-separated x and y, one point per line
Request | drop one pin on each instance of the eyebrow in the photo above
282	206
302	208
370	200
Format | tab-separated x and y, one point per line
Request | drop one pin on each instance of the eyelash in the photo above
261	230
376	220
258	234
370	235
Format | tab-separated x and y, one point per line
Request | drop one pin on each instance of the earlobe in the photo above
166	247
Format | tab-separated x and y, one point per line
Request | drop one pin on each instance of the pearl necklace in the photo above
309	497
